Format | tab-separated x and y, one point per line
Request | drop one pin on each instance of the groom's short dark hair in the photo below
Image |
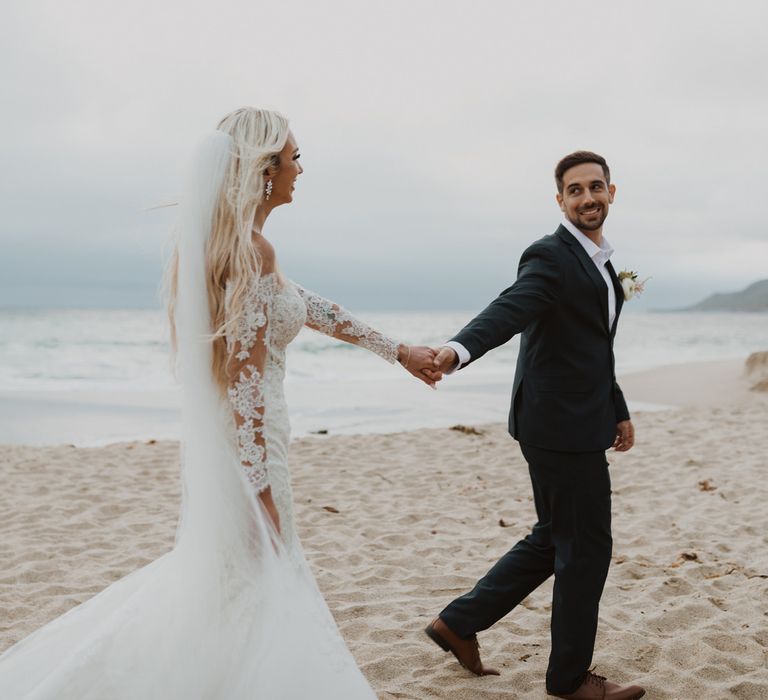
577	158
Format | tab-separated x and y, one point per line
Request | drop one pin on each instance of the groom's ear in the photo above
611	192
560	202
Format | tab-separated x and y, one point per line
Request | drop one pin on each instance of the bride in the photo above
232	611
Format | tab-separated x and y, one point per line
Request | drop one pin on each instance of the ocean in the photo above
89	377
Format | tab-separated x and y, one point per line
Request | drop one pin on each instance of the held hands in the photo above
427	364
445	359
625	436
419	361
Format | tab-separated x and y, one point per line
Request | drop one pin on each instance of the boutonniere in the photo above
630	285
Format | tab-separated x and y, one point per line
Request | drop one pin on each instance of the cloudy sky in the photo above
429	132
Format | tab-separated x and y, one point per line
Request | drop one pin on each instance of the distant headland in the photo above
753	298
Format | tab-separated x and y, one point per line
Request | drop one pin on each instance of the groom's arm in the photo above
622	412
625	431
536	289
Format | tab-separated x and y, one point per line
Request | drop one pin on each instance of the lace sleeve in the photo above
248	340
329	318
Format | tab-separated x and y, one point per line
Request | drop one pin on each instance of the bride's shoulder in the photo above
262	277
260	280
266	253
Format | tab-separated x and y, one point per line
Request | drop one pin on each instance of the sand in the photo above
422	514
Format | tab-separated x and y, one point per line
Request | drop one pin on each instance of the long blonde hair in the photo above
231	258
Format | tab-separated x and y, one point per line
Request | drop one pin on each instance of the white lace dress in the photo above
224	615
275	312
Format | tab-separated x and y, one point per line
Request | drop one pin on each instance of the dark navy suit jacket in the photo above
565	396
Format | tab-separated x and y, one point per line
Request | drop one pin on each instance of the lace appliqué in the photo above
329	318
246	397
246	393
254	315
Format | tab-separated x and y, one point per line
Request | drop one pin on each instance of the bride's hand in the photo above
269	505
418	360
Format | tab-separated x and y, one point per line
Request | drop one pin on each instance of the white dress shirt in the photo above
599	255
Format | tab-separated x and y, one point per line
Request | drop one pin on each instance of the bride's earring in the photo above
268	191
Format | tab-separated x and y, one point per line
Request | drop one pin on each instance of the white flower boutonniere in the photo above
630	285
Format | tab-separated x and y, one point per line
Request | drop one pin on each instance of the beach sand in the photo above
422	514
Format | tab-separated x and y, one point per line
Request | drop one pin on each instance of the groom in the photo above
567	409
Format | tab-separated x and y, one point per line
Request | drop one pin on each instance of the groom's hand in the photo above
446	359
419	361
625	436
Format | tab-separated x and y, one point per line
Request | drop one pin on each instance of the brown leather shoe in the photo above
467	651
595	687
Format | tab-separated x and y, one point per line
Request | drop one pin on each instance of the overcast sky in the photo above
429	131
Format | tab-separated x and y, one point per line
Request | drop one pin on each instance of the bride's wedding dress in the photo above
275	312
232	611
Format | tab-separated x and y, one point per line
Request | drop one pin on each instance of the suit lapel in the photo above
619	295
591	269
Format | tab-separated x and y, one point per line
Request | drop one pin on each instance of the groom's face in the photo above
586	196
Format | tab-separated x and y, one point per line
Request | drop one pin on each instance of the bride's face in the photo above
284	175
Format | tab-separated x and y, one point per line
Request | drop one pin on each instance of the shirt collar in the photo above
599	253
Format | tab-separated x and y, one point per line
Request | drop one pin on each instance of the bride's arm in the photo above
334	320
247	344
327	317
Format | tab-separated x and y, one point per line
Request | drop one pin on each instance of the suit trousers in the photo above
572	540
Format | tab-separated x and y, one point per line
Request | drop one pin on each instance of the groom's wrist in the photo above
460	353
